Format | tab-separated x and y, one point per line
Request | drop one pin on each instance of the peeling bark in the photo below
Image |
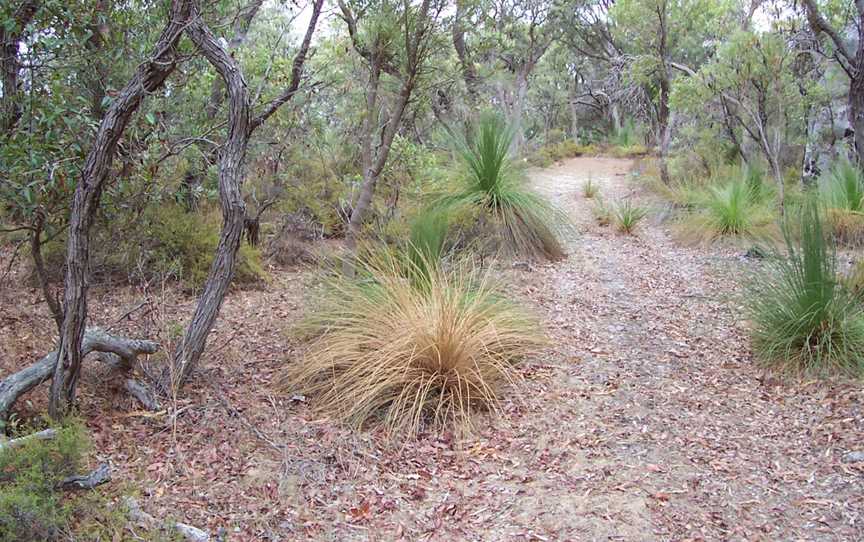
149	76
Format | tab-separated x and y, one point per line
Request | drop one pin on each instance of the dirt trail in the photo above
667	429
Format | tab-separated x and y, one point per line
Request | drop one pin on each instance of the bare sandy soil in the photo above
645	420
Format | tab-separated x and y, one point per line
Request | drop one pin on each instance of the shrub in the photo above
590	189
393	354
31	506
627	216
804	319
740	206
602	212
842	194
491	185
182	244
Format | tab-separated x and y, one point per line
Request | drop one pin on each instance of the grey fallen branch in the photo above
95	340
99	476
45	434
187	532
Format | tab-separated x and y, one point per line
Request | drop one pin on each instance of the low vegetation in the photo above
493	189
408	357
841	191
804	318
627	216
32	506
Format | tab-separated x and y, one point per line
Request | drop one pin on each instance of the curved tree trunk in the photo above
231	156
149	76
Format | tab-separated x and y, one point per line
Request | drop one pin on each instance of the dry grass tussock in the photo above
412	350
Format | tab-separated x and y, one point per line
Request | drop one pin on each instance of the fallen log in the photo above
45	434
99	476
95	340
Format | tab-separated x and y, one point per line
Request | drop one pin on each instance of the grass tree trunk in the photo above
149	76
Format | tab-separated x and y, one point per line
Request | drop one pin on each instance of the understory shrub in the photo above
183	244
490	187
590	189
627	216
32	508
734	203
842	193
804	319
166	241
407	355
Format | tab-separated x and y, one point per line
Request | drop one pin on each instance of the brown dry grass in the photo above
407	355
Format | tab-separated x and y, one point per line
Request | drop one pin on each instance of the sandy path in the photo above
666	428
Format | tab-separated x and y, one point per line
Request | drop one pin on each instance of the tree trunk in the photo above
466	63
856	107
518	108
231	157
665	127
148	77
41	272
10	43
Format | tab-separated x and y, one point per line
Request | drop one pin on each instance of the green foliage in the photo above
425	248
804	319
627	216
625	135
736	207
182	244
843	187
590	189
31	506
492	186
841	192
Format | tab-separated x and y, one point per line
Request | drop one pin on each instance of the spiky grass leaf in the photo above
404	357
804	319
491	184
627	216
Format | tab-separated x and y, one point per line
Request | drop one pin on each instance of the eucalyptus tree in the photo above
395	41
655	35
183	18
841	25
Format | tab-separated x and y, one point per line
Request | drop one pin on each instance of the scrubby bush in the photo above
602	211
804	319
165	241
32	507
590	189
497	192
627	216
734	202
183	244
842	193
405	355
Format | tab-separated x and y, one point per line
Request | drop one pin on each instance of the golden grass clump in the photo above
848	226
411	350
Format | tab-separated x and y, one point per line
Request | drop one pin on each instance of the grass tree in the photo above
410	354
491	187
804	319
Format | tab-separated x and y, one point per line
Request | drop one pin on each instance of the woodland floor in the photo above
645	420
